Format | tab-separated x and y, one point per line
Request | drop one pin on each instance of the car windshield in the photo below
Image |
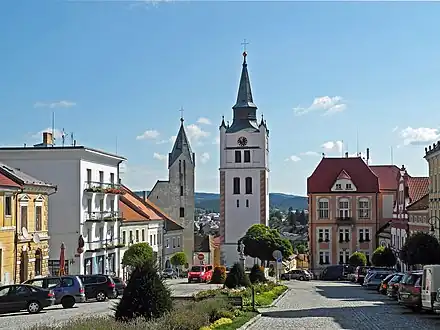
396	279
410	279
389	277
197	269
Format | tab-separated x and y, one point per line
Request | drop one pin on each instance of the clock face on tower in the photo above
242	141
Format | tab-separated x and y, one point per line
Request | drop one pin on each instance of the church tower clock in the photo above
244	171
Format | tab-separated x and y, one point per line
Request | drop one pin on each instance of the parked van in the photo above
430	286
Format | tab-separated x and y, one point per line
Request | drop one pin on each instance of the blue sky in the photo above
320	72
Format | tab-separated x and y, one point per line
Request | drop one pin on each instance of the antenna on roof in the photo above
116	145
342	148
357	143
53	128
391	155
368	156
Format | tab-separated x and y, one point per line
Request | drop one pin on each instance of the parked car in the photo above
409	293
67	289
99	287
374	280
169	273
335	273
18	297
384	284
362	272
119	286
297	274
393	286
201	273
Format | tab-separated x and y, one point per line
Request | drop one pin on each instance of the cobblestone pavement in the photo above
329	305
57	314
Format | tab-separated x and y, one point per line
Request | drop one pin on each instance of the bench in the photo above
236	301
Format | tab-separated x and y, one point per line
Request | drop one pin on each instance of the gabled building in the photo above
343	210
175	196
418	215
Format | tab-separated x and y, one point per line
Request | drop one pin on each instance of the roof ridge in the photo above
134	207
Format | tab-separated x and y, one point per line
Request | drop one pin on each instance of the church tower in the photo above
244	171
176	196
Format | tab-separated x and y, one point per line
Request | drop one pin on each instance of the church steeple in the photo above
244	96
181	146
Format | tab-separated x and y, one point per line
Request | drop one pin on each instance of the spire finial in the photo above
181	115
244	44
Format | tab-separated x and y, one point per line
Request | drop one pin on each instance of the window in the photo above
8	206
338	186
137	235
364	208
89	205
341	235
236	186
180	167
323	208
124	237
344	210
321	234
101	205
167	243
247	202
347	235
151	239
178	241
101	234
247	156
182	212
143	235
38	262
38	220
248	184
238	203
367	235
344	255
131	237
112	178
324	257
237	156
361	235
174	242
24	216
327	235
181	190
348	186
89	175
101	176
154	239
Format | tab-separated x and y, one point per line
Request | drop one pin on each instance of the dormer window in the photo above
338	186
348	186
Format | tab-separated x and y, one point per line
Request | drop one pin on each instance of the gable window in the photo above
364	208
348	186
247	156
38	218
182	212
338	186
344	210
8	206
237	156
323	208
248	182
236	186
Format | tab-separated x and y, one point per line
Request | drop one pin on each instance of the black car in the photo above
99	287
119	286
336	272
18	297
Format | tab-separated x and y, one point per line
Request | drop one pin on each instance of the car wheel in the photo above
301	278
101	296
68	302
34	307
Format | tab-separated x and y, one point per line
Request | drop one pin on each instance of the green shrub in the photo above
357	259
219	275
257	275
146	295
221	322
237	277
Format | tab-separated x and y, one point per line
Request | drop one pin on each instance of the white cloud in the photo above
327	104
333	146
147	3
53	105
395	129
309	153
419	136
159	156
216	140
293	158
204	157
195	133
148	135
204	121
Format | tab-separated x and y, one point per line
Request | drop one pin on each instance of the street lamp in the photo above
433	224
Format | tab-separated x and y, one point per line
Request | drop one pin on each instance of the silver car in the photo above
374	279
297	274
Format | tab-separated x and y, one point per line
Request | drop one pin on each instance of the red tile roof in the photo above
417	187
389	176
343	175
421	204
6	182
328	169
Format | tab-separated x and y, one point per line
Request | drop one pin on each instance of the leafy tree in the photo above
219	275
257	275
146	295
301	248
137	254
420	249
237	277
260	241
383	257
302	218
291	219
357	259
178	259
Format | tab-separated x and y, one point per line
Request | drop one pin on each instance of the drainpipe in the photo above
377	223
16	234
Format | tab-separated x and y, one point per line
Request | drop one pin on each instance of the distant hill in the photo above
210	201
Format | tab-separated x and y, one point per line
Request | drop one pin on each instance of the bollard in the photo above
253	298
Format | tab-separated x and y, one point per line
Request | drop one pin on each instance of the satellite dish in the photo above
25	233
36	238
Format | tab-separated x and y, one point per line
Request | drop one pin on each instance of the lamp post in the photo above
433	224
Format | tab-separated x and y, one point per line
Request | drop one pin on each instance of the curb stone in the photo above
250	322
275	302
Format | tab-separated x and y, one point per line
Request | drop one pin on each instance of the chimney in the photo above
144	195
47	138
346	154
368	154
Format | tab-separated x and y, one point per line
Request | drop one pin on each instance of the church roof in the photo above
181	146
244	96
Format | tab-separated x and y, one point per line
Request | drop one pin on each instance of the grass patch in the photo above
238	321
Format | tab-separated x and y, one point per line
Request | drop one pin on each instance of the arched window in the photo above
323	208
248	182
364	208
236	186
38	262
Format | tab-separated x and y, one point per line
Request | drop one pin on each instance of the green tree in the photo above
357	259
178	260
420	249
260	241
218	275
302	218
146	295
383	257
237	277
301	248
257	275
137	254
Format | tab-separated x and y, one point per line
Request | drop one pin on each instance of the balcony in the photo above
103	188
344	220
94	246
104	245
107	216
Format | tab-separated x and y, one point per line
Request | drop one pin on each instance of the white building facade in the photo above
244	172
84	214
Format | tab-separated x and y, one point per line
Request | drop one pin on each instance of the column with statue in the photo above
241	257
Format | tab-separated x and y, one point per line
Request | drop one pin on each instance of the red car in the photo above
201	273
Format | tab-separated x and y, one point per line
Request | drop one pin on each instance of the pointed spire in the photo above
223	123
181	146
262	123
244	97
